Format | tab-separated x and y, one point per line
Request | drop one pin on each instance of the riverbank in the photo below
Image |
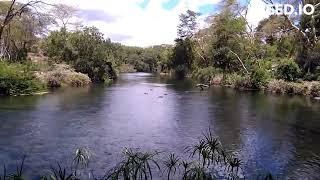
36	78
275	86
92	117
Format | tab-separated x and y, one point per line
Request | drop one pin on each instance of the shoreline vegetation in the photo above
276	56
272	85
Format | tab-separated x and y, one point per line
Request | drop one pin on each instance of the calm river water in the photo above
277	134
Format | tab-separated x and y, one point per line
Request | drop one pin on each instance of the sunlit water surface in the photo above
277	134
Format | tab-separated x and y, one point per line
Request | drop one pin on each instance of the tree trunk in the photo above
1	32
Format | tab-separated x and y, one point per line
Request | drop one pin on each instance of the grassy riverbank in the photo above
37	78
276	86
278	80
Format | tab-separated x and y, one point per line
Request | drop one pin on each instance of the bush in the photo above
16	79
85	49
283	87
277	86
127	68
315	89
243	82
205	75
297	88
64	75
217	80
77	79
259	77
288	70
230	79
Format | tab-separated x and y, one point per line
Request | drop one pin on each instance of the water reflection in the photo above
270	133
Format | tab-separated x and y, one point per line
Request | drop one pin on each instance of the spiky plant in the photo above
4	176
60	173
136	165
19	171
185	165
172	164
197	148
197	172
223	155
234	164
81	159
212	145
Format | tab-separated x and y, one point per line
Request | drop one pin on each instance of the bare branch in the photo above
244	67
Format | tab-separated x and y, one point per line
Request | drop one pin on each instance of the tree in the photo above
17	20
188	24
307	31
228	33
63	14
182	57
276	31
86	50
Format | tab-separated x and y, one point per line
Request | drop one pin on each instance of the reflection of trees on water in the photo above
270	133
263	129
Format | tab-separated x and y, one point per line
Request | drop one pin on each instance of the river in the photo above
277	134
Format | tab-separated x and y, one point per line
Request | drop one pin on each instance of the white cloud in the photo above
142	27
149	26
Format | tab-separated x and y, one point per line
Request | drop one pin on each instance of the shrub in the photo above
205	75
127	68
77	79
288	70
259	77
297	88
16	79
315	89
243	82
217	79
85	49
54	81
230	79
64	75
277	86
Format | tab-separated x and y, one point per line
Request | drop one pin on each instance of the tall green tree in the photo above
183	52
227	40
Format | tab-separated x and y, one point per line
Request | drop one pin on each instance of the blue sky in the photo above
144	22
168	5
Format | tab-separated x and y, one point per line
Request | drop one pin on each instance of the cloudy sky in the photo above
145	22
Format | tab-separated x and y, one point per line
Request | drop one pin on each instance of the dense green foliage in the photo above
85	49
288	70
182	57
16	79
228	51
259	77
91	54
205	75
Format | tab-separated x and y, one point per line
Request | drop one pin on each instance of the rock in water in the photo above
202	86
